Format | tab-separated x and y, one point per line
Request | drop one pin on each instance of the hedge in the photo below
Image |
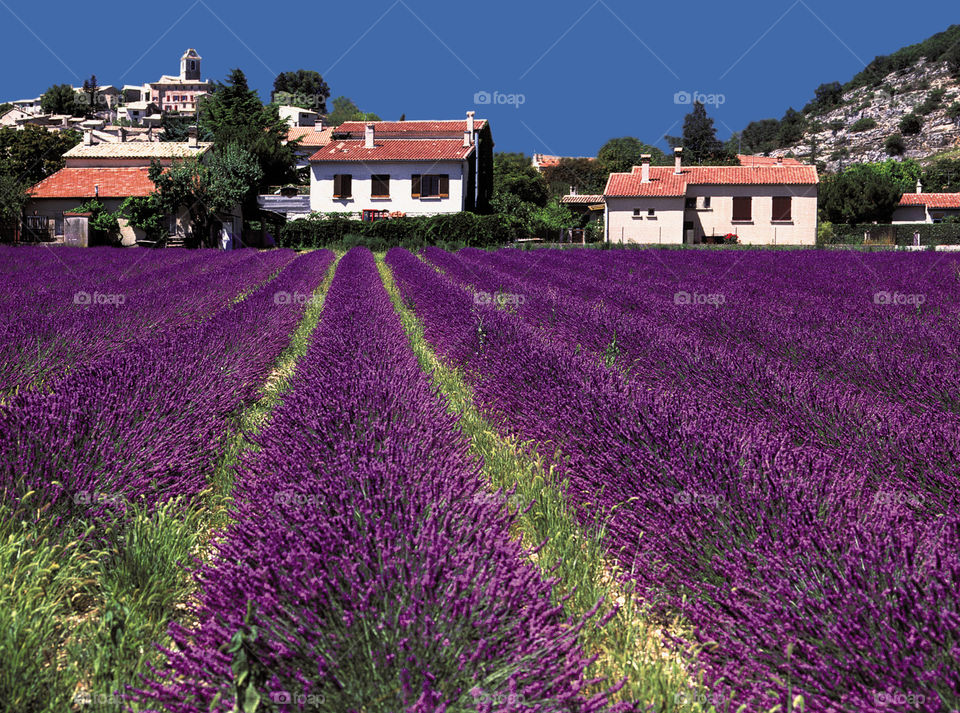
463	228
930	234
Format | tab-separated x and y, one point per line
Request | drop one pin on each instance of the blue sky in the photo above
562	76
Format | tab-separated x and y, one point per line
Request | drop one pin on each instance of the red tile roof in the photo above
767	161
408	129
395	150
664	183
309	136
579	199
932	200
542	160
84	183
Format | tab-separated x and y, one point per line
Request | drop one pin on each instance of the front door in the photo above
688	232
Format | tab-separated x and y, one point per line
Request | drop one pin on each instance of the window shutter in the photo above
415	185
782	208
347	184
444	185
743	208
336	185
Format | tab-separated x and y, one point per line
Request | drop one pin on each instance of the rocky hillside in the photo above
858	129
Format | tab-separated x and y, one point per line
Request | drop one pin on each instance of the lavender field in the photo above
479	481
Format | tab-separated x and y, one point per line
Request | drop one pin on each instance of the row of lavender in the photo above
146	421
767	533
378	573
62	307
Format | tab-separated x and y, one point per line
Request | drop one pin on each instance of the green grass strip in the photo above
630	646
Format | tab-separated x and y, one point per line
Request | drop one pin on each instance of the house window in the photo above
343	185
782	208
706	202
380	185
691	204
651	213
430	185
636	213
172	224
743	208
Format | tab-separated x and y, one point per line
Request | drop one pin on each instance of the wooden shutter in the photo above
380	185
444	185
347	185
782	208
743	208
415	185
337	185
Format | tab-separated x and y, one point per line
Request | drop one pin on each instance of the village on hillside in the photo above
119	153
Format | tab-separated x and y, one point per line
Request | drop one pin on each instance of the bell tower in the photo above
190	65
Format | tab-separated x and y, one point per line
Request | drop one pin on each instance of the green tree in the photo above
826	97
61	99
760	136
791	128
13	194
514	174
620	155
943	176
895	145
176	127
147	214
911	124
234	114
304	88
34	153
5	107
861	194
903	173
345	110
207	188
585	175
699	139
91	94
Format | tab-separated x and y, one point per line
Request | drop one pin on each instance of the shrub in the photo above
931	103
953	111
895	145
863	124
911	125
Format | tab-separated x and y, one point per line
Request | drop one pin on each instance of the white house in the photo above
923	207
296	116
766	202
411	168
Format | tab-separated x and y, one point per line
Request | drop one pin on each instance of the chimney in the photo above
645	168
919	187
467	139
779	160
123	134
368	137
88	137
678	161
65	121
193	140
318	124
470	124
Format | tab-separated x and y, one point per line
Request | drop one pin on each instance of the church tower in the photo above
190	65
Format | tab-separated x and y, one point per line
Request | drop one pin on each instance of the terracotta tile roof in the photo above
395	150
932	200
83	183
309	136
408	129
581	199
542	160
663	181
767	161
147	150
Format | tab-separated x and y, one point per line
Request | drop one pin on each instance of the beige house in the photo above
109	172
762	203
180	93
923	207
